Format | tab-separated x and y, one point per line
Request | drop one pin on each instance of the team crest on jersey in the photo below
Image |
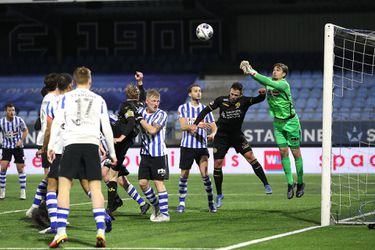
238	104
214	150
161	171
130	113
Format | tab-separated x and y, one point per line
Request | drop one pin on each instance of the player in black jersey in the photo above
124	132
233	109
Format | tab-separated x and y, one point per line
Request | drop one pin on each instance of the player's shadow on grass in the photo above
296	215
300	215
200	209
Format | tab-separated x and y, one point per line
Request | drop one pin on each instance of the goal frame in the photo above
325	219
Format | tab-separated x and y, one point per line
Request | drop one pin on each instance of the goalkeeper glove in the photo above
247	69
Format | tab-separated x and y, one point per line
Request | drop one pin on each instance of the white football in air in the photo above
204	31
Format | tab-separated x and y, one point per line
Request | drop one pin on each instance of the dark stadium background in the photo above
158	38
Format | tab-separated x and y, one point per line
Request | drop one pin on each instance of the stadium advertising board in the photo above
345	160
351	133
261	134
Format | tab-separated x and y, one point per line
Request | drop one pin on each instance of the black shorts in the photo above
45	162
19	156
81	160
188	155
123	171
121	149
153	168
223	142
54	169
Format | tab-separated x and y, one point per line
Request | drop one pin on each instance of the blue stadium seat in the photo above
22	113
311	103
33	113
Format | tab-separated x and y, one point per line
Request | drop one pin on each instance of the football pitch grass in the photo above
247	215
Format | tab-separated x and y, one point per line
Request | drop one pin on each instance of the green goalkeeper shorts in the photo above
287	132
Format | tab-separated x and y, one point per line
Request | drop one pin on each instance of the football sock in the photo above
258	170
99	215
208	187
22	180
150	195
51	201
218	176
299	168
287	170
40	193
112	193
62	218
3	179
163	203
182	190
132	191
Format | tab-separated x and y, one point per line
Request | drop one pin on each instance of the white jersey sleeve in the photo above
43	117
51	114
107	130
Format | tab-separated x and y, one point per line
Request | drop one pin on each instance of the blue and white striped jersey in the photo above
190	113
154	145
12	131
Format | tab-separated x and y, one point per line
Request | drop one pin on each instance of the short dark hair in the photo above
64	81
192	86
8	105
50	81
284	68
237	86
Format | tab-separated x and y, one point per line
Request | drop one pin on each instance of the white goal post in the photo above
327	124
348	193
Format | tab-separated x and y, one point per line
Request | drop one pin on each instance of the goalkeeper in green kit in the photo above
287	129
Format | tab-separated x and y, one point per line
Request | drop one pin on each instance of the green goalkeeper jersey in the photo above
279	97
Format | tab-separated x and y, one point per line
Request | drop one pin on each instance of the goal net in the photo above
348	169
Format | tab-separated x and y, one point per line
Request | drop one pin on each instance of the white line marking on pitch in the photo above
252	242
89	202
114	248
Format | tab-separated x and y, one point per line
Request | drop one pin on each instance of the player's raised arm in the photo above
139	78
279	84
259	98
211	107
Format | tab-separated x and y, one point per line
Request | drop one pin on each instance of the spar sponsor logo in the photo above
272	161
364	160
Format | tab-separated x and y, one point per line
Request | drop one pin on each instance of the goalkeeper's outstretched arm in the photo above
265	81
